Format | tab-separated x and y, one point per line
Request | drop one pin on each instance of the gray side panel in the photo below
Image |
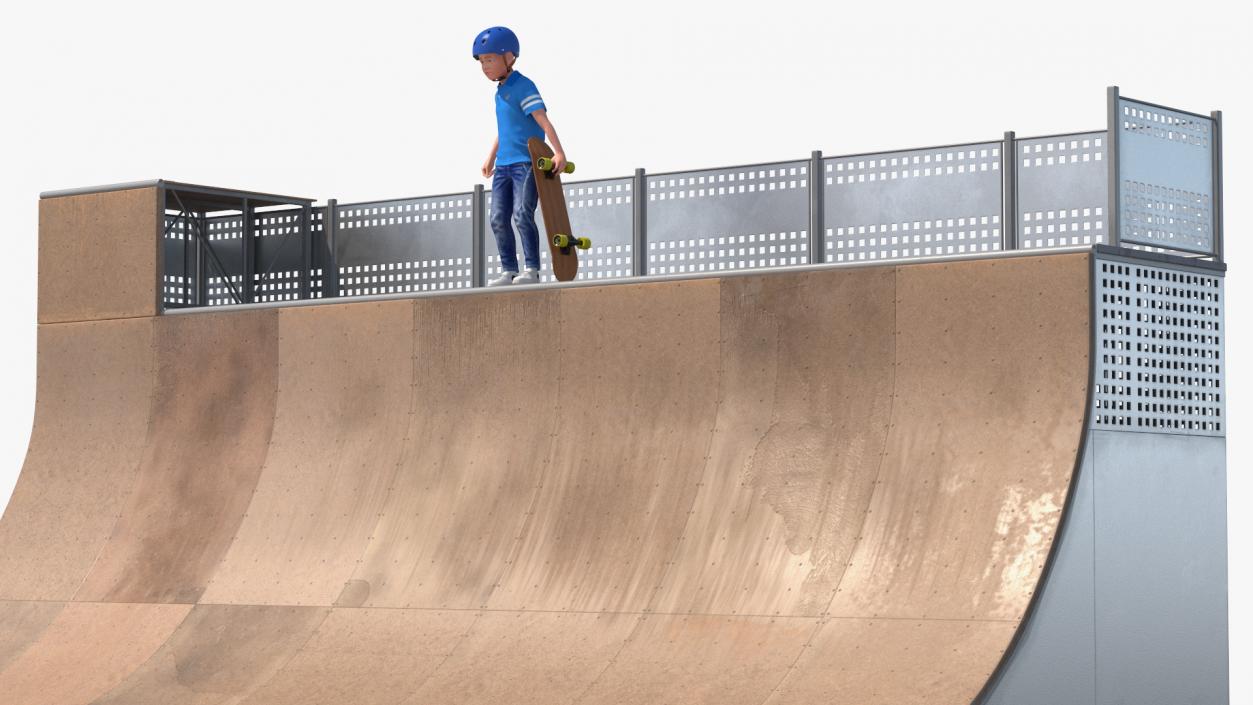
1161	568
1134	608
1055	656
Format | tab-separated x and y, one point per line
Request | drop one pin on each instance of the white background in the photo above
365	101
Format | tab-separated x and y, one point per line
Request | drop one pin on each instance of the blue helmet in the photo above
496	40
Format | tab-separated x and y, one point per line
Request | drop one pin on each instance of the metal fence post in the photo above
188	257
639	224
817	209
478	227
202	260
1113	119
1217	146
159	255
1009	192
330	258
306	249
248	243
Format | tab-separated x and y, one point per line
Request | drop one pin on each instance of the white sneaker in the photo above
505	279
529	276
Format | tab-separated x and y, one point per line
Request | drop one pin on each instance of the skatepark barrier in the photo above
978	462
1150	180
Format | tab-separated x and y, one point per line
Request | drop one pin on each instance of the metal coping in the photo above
124	186
267	198
652	279
1126	253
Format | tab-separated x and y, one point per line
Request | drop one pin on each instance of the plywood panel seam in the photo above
430	676
139	667
538	485
139	458
401	456
675	549
825	617
244	696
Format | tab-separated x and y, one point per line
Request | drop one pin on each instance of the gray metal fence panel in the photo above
1166	177
416	244
731	218
600	210
279	258
178	280
1159	366
1063	190
922	202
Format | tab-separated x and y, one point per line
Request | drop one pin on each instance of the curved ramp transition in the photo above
822	487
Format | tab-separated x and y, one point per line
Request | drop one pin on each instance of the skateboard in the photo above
552	199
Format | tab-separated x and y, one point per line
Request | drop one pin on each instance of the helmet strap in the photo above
508	69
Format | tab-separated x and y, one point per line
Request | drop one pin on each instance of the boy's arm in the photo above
490	165
559	154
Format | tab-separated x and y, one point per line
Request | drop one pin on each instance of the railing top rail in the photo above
225	196
1032	138
799	160
911	149
1165	107
401	199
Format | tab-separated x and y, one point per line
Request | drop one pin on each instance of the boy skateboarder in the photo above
520	115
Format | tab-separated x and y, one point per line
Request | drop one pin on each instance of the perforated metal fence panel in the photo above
1063	190
1166	177
1159	365
914	203
728	219
417	244
178	280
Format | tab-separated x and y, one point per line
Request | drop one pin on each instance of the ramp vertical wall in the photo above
99	255
1133	607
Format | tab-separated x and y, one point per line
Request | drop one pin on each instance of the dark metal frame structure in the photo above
192	206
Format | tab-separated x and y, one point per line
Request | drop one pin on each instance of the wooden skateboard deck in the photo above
552	199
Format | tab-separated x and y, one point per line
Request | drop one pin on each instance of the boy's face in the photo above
495	66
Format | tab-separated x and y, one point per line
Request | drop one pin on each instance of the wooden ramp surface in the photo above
825	487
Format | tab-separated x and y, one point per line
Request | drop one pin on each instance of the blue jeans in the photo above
514	198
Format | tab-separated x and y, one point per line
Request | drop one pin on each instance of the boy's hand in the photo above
559	162
489	166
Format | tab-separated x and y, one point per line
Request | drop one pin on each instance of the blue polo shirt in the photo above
516	99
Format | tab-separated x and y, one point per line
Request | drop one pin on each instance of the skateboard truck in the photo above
545	164
564	241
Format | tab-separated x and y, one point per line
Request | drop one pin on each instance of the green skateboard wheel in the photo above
546	164
562	241
585	243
